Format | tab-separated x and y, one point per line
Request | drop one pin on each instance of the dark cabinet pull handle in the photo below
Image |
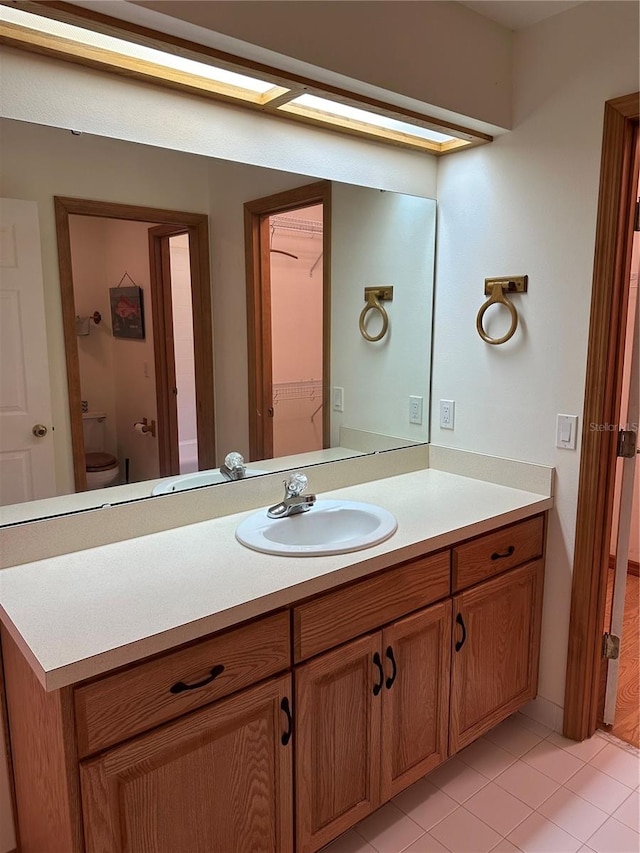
378	687
460	622
286	737
389	682
180	686
507	553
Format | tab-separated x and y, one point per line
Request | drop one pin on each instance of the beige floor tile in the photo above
573	814
619	764
629	812
527	784
615	837
553	761
536	834
598	788
425	804
389	830
514	735
487	758
426	844
584	750
498	808
458	780
463	832
350	842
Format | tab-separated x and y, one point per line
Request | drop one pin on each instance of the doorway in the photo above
159	228
287	241
296	328
617	214
619	705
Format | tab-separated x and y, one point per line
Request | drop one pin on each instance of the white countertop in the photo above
78	615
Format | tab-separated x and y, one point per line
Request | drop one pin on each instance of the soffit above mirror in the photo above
106	43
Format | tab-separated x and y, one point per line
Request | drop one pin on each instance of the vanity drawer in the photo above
348	612
496	552
138	699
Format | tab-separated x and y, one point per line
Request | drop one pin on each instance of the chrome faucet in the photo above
294	502
233	467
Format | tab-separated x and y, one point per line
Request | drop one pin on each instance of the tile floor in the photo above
521	787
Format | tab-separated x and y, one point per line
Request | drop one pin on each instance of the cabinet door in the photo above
496	645
338	698
216	781
415	706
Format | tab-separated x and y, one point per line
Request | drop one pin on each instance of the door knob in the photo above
39	430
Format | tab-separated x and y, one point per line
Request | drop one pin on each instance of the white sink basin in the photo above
329	527
199	478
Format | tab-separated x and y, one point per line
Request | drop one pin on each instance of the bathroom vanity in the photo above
296	710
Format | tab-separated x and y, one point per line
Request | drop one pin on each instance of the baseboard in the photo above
633	567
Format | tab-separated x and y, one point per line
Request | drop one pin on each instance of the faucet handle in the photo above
295	484
234	460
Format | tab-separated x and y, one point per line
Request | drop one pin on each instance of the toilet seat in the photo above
99	461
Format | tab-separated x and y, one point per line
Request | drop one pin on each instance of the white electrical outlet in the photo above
415	410
447	413
338	399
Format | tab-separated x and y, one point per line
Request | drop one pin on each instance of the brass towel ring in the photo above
373	295
497	296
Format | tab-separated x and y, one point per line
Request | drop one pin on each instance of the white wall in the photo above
441	53
381	238
527	204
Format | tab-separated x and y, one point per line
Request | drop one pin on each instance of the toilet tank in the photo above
93	426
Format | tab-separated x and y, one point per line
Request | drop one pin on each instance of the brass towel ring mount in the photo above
374	296
496	289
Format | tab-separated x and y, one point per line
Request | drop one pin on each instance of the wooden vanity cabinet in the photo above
194	750
496	646
496	627
337	741
186	752
217	780
371	718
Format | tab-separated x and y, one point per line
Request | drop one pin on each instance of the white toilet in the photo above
101	467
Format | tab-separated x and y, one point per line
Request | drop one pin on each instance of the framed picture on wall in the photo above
127	315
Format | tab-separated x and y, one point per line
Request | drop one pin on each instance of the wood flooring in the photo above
627	718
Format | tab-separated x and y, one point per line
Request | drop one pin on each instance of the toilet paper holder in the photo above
145	427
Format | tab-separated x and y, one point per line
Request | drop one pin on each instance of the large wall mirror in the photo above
333	393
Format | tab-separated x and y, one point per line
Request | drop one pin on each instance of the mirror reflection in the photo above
166	377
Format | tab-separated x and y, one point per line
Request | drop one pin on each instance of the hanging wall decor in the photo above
127	315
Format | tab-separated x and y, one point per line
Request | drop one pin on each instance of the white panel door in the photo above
27	470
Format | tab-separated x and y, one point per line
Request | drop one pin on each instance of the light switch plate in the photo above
566	431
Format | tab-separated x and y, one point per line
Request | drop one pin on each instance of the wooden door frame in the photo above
609	300
194	223
259	307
